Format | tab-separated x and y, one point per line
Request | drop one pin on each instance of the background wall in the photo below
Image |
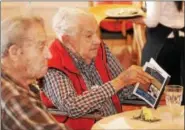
44	9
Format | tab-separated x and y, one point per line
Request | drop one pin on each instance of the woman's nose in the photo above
97	40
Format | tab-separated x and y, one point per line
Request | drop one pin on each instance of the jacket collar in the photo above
60	53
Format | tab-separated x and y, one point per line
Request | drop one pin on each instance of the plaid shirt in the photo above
60	90
22	110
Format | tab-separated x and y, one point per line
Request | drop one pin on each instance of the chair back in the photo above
103	2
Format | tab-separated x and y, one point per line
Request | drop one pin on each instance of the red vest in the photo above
62	61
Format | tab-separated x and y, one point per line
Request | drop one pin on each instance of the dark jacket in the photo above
156	39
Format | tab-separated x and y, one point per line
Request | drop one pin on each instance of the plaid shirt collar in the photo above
20	89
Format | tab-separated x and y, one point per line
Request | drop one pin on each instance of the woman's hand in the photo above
131	76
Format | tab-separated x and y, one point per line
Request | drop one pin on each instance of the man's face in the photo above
87	42
35	52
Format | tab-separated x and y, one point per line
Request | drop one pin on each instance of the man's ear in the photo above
14	52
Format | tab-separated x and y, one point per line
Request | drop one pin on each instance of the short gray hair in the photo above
66	21
15	28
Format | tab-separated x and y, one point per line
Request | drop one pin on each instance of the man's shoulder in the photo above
8	90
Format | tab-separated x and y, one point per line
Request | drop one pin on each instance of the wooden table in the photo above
124	121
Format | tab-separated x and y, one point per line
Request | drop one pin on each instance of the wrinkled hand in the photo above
133	75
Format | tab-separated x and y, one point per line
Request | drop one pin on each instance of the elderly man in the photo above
24	55
83	75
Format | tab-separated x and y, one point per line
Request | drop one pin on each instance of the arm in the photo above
153	13
60	90
115	68
25	115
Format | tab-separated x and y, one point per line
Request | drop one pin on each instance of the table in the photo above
124	121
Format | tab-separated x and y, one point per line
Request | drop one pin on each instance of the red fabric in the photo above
114	26
45	100
113	2
80	123
60	118
74	123
101	66
62	61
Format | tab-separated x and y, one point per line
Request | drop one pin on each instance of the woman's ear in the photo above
65	38
69	42
14	52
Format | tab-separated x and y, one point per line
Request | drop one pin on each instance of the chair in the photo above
139	40
113	28
124	45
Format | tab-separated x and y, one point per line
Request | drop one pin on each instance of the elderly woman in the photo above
83	75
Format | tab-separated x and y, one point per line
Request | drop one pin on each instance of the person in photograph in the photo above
24	55
83	76
165	38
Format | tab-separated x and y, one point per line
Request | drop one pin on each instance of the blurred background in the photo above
124	38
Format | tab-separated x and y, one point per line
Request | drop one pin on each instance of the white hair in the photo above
15	28
66	21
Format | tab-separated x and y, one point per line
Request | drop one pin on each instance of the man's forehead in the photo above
37	32
88	30
37	28
37	39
